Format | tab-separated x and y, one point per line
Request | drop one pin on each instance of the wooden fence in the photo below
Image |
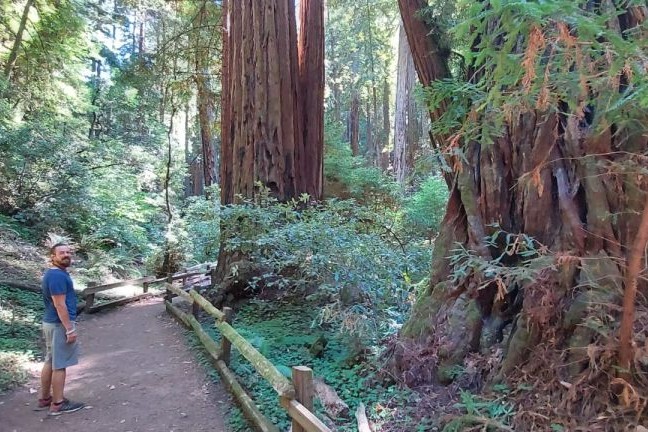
295	397
93	288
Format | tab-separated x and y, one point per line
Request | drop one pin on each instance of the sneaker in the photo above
66	406
43	404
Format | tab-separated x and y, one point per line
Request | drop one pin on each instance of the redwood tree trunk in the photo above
311	87
206	118
263	127
543	177
272	107
205	100
403	119
383	154
369	140
354	124
230	32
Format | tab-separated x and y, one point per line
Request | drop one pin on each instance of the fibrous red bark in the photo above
311	94
550	176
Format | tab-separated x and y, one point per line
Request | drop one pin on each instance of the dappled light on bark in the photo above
541	216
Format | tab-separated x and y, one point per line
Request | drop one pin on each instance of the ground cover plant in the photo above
20	329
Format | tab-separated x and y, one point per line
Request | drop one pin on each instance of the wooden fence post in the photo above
145	286
226	345
169	295
212	277
90	298
195	308
302	377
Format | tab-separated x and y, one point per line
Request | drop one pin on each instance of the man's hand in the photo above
71	337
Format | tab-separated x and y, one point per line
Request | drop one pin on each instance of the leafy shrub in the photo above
20	313
342	253
425	209
202	223
348	176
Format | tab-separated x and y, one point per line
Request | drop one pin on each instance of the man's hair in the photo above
53	248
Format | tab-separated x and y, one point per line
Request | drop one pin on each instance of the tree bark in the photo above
230	32
543	176
187	153
13	54
403	118
205	100
354	124
383	154
264	127
369	140
311	93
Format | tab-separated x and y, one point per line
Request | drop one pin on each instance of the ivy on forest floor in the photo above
20	316
283	333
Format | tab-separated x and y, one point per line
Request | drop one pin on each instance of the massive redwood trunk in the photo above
549	174
261	129
272	106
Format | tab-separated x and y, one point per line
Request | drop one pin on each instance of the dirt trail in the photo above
137	374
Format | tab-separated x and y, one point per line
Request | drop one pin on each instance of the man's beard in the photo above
63	263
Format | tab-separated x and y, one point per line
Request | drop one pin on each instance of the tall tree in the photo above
13	54
272	86
311	94
272	109
544	199
264	124
405	78
354	125
383	155
205	97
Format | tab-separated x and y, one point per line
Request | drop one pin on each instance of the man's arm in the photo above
64	316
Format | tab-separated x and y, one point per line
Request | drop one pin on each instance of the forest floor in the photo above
137	373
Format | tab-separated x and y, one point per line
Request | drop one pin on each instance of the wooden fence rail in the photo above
93	288
296	397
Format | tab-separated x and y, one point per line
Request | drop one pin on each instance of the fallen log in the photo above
361	416
306	419
333	405
21	286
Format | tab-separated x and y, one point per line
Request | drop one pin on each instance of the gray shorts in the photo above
58	352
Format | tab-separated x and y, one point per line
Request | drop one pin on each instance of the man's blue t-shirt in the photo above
56	282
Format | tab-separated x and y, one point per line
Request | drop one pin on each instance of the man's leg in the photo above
46	380
63	356
58	385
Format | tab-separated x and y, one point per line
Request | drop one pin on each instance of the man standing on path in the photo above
59	330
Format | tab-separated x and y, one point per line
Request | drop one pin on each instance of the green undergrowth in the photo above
283	333
20	313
